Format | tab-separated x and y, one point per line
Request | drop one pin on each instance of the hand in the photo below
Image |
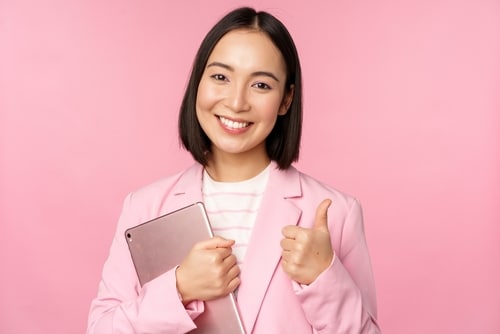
307	252
208	272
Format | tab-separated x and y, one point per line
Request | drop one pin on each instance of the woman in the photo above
293	248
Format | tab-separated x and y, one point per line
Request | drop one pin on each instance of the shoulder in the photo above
158	187
155	198
345	215
318	190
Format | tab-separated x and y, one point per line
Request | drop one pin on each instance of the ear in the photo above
287	101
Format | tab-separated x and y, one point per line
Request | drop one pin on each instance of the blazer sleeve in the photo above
122	306
342	298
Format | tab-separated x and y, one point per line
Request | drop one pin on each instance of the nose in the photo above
237	99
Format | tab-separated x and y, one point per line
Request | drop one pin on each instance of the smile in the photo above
233	124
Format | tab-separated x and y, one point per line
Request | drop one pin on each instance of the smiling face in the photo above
240	95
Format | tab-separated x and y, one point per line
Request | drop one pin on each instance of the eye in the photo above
262	85
219	77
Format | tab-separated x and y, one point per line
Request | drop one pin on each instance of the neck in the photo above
230	168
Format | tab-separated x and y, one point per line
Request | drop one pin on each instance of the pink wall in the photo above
402	109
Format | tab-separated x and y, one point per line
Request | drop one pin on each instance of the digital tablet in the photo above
160	244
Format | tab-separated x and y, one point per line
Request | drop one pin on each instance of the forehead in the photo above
248	49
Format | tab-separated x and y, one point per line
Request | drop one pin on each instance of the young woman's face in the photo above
241	93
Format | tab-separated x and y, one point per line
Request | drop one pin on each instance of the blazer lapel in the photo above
264	250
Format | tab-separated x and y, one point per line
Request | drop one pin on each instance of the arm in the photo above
342	298
122	306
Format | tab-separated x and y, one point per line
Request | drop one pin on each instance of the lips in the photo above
233	124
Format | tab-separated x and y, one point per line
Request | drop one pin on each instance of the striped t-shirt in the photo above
232	208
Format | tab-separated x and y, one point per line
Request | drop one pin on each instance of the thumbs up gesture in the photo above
307	252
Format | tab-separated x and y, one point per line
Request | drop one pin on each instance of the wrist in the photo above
180	291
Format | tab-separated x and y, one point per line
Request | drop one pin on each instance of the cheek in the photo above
207	96
270	107
201	98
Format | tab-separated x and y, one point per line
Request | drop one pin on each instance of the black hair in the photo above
283	143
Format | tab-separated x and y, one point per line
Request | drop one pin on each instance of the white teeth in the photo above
232	124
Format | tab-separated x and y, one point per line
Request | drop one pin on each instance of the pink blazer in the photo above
340	300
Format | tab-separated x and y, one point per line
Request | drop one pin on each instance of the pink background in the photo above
402	109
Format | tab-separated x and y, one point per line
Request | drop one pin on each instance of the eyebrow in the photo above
254	74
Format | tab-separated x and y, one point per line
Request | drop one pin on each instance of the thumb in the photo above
321	219
215	242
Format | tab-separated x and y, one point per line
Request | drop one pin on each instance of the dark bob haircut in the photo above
283	143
